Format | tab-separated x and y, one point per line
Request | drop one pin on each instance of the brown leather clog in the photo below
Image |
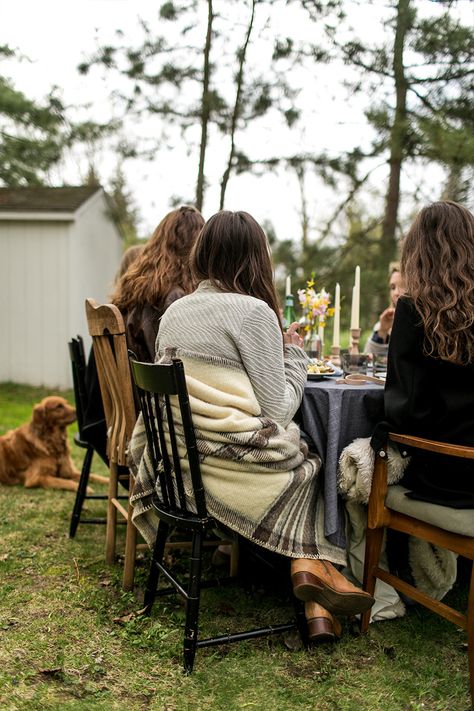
319	581
322	626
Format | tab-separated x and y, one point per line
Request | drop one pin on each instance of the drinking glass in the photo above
380	364
355	363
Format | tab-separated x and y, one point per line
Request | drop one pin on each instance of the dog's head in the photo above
53	411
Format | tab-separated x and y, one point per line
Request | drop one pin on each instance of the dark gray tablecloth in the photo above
333	415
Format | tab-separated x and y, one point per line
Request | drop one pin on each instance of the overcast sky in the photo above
56	35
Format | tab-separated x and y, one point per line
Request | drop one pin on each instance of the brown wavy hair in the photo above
232	251
438	269
163	263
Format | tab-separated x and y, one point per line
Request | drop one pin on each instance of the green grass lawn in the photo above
69	638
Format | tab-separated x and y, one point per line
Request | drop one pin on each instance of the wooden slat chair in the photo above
78	365
107	329
158	386
439	525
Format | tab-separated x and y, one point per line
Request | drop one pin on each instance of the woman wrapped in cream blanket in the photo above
245	378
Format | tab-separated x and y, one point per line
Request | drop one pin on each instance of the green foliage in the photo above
444	39
32	138
438	71
167	79
335	263
34	135
123	209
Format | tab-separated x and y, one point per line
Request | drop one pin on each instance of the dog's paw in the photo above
89	490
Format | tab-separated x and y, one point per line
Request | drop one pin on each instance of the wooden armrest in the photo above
454	450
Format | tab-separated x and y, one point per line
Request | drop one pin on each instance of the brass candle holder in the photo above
336	355
355	336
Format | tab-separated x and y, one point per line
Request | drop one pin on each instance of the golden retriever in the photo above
38	454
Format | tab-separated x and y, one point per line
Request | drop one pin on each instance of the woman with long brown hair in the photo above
430	380
156	278
245	380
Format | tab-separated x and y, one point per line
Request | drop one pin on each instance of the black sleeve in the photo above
407	397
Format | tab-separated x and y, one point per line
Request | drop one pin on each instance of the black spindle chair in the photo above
162	392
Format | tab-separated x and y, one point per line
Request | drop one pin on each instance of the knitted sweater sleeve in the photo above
278	375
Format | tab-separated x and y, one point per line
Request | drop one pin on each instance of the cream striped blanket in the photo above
258	477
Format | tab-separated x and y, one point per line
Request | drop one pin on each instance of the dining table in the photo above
332	414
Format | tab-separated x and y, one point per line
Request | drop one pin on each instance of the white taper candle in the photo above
356	300
337	316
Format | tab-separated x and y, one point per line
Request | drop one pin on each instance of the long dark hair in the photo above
232	251
438	269
163	263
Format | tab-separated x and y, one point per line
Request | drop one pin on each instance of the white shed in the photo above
57	247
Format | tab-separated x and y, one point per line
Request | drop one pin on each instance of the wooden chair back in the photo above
382	516
107	329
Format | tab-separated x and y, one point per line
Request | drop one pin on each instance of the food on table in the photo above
320	366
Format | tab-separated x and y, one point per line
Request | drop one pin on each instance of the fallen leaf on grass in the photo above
292	641
4	625
131	616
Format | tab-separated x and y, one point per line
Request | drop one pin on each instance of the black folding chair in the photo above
158	386
81	439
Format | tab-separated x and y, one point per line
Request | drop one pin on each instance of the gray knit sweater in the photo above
244	329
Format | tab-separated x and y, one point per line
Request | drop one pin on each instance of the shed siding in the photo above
34	302
47	270
96	250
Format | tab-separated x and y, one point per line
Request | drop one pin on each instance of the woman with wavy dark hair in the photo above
156	278
245	380
430	380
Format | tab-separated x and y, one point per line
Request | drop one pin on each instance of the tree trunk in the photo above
398	135
236	111
453	189
205	109
300	172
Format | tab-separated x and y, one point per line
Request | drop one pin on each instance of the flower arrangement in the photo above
315	305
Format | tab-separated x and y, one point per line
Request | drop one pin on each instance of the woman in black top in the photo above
430	380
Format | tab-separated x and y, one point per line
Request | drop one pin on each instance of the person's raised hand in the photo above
386	322
291	335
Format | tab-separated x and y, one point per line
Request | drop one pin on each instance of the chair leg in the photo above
192	603
234	558
111	515
470	635
373	549
81	491
130	552
154	573
301	620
